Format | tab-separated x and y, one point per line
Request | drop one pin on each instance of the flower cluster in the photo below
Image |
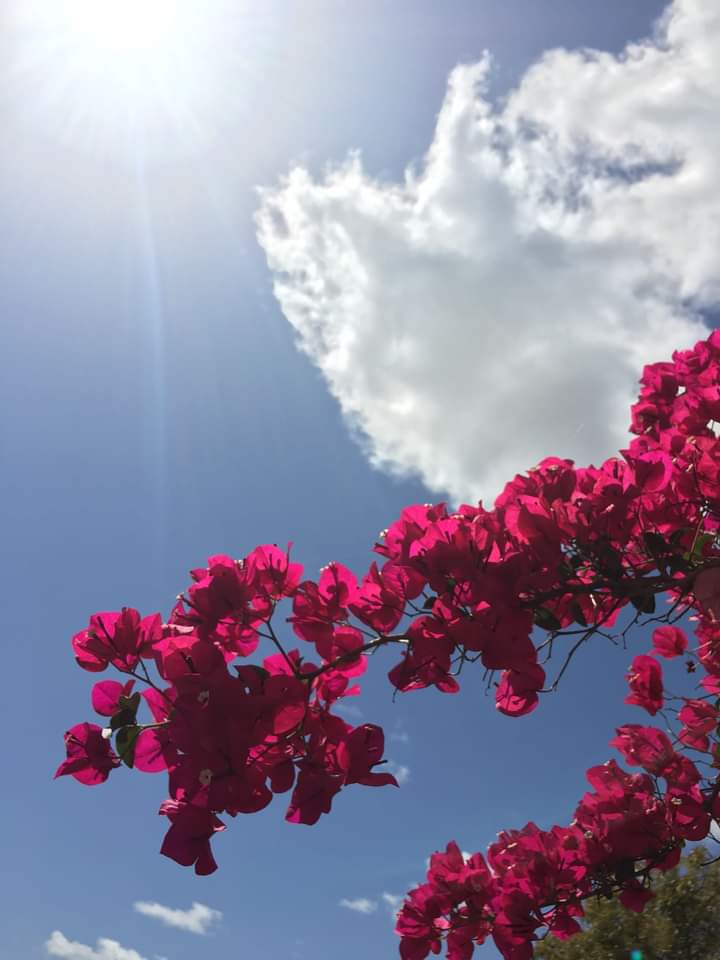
230	734
561	553
534	882
627	531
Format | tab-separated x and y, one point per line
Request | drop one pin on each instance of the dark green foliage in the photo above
681	923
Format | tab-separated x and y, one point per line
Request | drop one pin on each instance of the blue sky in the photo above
155	407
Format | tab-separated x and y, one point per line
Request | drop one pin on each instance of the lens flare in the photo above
121	27
102	72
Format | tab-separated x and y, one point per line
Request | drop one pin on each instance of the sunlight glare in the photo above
99	73
122	27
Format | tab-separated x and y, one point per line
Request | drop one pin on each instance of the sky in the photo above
272	272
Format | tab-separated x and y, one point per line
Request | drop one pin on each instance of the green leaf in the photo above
127	714
546	619
125	741
130	703
123	718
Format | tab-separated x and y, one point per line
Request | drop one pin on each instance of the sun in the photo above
123	28
106	72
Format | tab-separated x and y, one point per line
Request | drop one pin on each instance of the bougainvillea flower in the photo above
90	757
646	685
154	751
428	659
699	718
187	842
651	749
312	796
635	897
669	642
106	696
706	588
119	639
272	572
380	600
517	693
180	655
360	752
419	923
688	813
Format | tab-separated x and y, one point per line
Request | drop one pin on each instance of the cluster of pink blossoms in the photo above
562	552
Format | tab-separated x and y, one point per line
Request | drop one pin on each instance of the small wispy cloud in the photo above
392	901
198	919
348	710
360	905
400	736
399	771
59	946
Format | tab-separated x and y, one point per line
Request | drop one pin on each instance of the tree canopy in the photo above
682	922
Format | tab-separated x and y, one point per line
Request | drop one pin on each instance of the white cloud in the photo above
348	710
59	946
360	905
497	305
399	736
399	771
393	901
198	919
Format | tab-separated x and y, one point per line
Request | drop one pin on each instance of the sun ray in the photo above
108	71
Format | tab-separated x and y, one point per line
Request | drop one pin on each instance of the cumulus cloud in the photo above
198	919
59	946
360	905
497	304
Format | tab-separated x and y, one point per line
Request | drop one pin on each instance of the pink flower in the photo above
645	747
517	694
90	757
420	923
669	642
312	796
119	639
270	569
187	842
646	686
634	896
707	591
428	660
360	752
686	810
699	718
154	751
106	696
